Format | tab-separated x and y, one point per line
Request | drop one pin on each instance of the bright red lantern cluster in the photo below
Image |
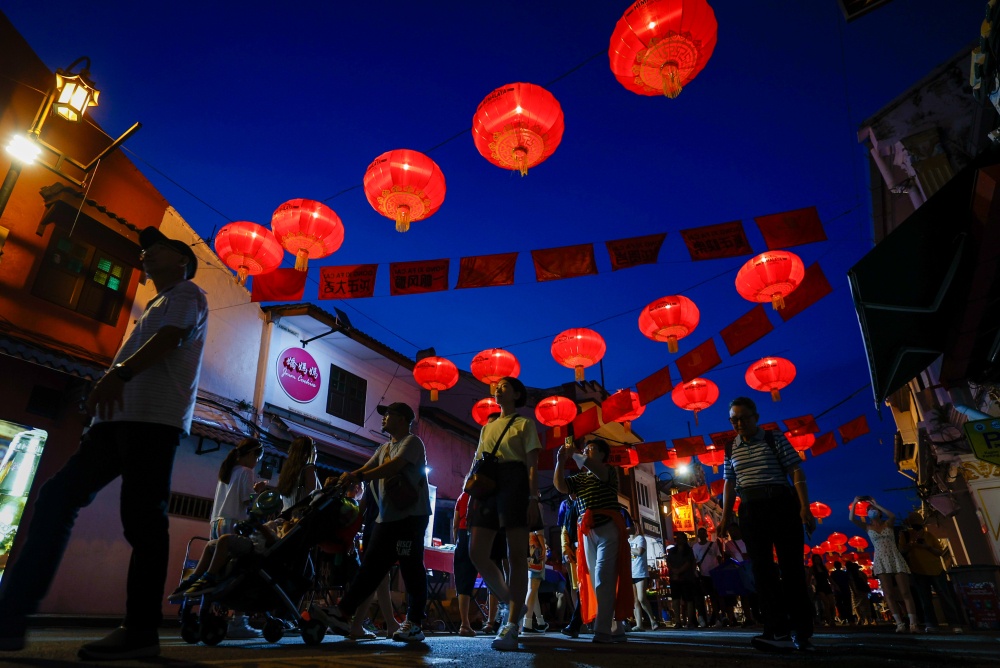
489	366
770	374
435	374
248	248
578	348
695	395
669	319
483	409
770	277
658	46
556	412
518	126
307	229
405	186
837	538
819	510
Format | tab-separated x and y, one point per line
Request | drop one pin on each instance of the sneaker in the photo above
408	632
618	638
122	644
529	629
332	618
803	645
777	643
718	624
362	634
571	632
901	627
542	627
638	629
239	629
506	639
656	627
203	585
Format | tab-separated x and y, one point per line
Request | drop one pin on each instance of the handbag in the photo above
482	480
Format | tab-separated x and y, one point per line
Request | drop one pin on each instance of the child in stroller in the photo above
267	569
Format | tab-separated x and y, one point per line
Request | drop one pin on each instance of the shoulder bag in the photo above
482	480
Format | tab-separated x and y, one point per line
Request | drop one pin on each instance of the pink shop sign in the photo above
298	375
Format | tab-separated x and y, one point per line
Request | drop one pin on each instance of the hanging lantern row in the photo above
714	458
801	443
673	460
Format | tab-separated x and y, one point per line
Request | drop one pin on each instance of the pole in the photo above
8	183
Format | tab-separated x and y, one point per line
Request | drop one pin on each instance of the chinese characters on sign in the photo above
347	282
413	278
298	375
717	241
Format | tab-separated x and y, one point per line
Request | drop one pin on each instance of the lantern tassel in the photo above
521	160
579	373
672	343
715	469
434	395
777	301
775	395
402	218
802	455
628	426
557	432
241	274
671	79
696	418
302	260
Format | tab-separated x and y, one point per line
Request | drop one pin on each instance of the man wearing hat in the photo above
141	408
399	529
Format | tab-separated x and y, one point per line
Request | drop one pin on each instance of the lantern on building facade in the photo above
483	409
518	126
658	46
819	510
669	319
695	395
405	186
307	229
435	374
489	366
578	348
770	374
770	277
556	412
248	248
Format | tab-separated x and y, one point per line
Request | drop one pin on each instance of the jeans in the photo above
403	541
142	454
921	585
774	524
601	548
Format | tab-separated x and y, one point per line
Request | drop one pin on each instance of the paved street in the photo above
54	647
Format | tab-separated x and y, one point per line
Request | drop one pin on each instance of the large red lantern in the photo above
435	374
769	277
714	458
637	410
307	229
695	395
837	538
669	319
819	510
801	443
556	412
483	409
489	366
248	248
658	46
770	374
518	126
578	348
404	185
673	461
860	508
857	542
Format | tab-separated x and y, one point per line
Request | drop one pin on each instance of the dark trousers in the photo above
402	541
143	455
774	524
921	585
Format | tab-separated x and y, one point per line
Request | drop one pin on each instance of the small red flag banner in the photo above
791	228
623	457
625	253
651	452
852	430
654	386
689	446
415	278
285	285
717	241
717	486
721	439
347	282
799	426
615	406
552	264
746	330
824	443
813	287
485	271
770	426
586	423
698	361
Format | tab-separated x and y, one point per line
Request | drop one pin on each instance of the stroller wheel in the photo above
312	631
189	633
273	630
213	630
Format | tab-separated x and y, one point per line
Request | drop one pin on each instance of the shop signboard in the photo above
298	375
984	437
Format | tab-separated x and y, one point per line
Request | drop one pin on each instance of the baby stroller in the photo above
272	582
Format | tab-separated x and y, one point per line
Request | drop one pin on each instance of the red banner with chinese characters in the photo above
824	443
347	282
623	457
625	253
654	386
651	452
853	429
813	287
799	426
722	439
485	271
415	278
698	361
689	446
615	406
791	228
746	330
717	241
683	513
280	285
552	264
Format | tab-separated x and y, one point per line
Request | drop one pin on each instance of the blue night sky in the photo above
246	105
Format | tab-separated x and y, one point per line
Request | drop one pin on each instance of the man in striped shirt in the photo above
772	512
142	407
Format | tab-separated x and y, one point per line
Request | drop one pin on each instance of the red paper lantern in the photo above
658	46
404	185
307	229
556	412
857	542
860	508
801	443
248	248
435	374
770	374
714	458
518	126
669	319
489	366
483	409
819	510
578	348
769	277
819	550
637	410
837	538
695	395
673	461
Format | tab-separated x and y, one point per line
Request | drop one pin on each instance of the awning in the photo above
343	450
929	285
51	358
216	424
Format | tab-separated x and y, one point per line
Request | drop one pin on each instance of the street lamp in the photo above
69	98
